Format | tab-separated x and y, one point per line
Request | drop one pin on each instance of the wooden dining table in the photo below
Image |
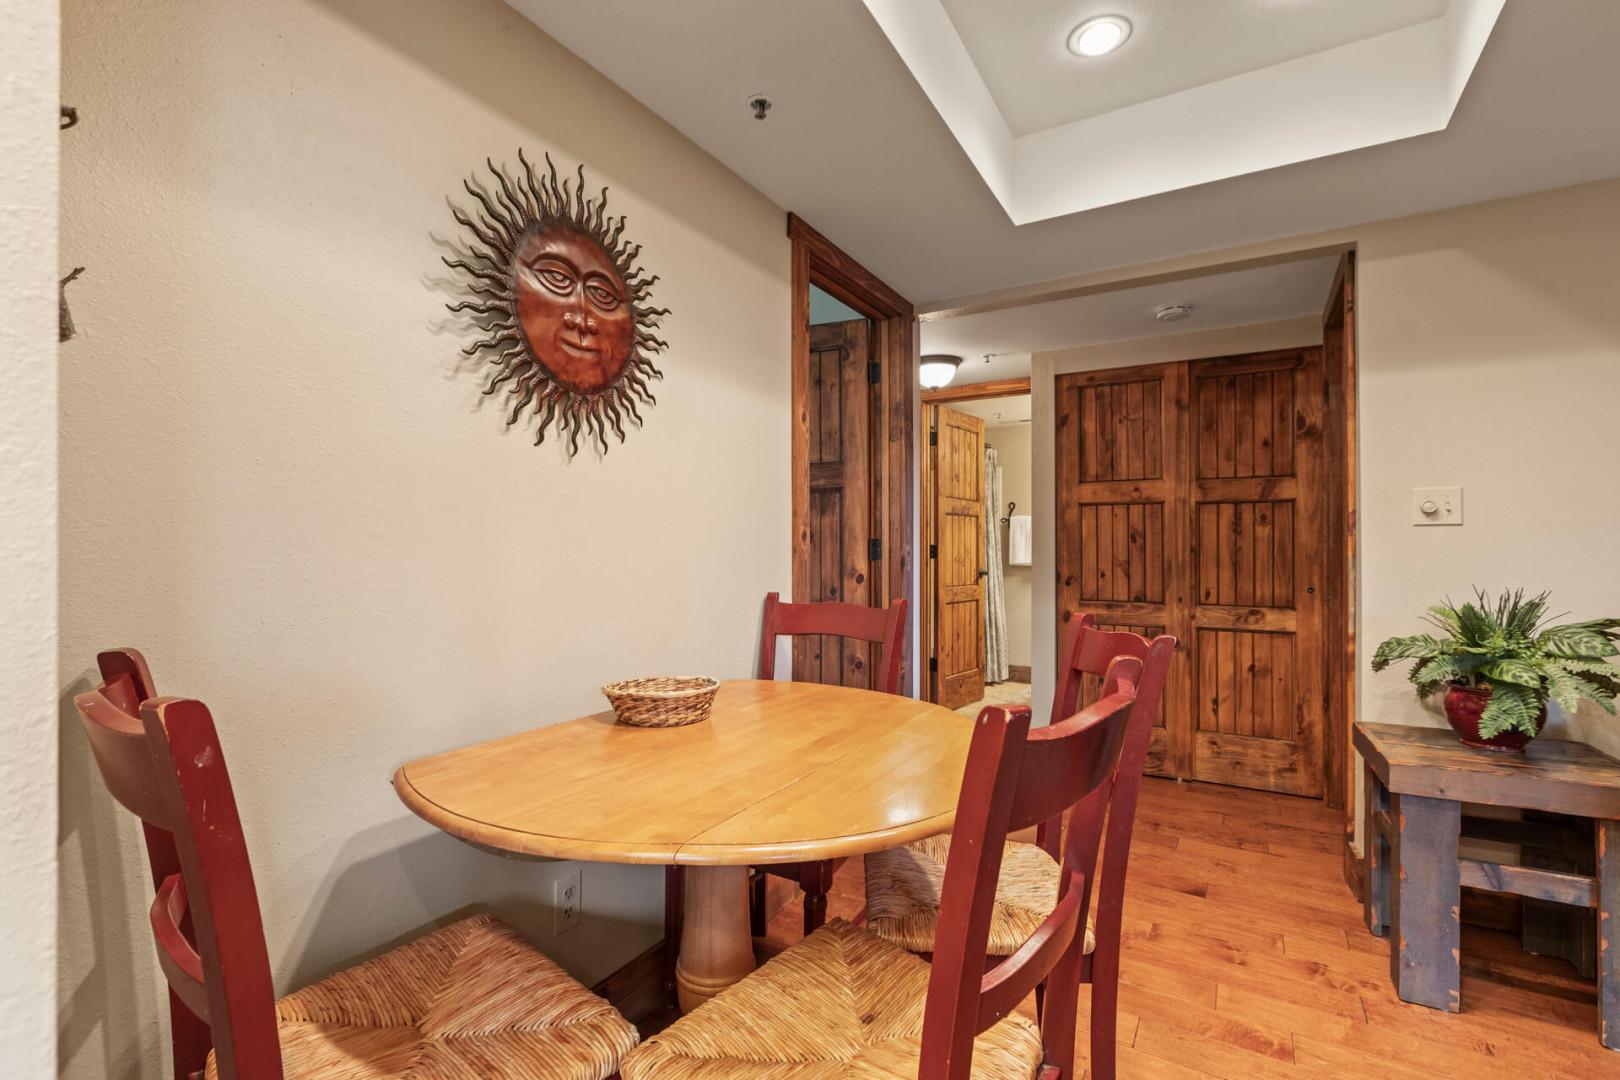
781	772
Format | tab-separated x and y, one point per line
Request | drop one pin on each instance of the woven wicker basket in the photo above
663	700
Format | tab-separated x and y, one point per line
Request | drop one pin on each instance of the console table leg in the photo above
1608	976
1375	902
1424	950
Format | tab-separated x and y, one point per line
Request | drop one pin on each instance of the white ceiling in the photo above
997	412
1019	46
1261	294
1366	92
855	147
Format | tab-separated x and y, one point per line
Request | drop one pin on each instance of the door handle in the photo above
983	573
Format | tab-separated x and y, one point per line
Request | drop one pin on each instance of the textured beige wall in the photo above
28	561
1012	445
1490	358
276	484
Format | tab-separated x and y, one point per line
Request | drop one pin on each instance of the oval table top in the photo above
780	772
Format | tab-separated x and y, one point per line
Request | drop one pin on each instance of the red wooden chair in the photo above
879	626
845	1001
902	885
470	999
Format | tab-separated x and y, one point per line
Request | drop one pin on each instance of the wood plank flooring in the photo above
1245	956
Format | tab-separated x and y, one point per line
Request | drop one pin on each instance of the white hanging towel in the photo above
1020	551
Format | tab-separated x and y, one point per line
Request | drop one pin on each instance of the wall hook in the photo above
64	316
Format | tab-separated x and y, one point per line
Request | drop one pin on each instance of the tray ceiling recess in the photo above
1027	120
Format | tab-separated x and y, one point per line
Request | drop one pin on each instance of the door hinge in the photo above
933	663
874	549
933	551
933	438
874	372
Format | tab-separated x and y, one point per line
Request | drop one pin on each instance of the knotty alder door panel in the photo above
959	558
1192	502
841	511
1258	510
1120	502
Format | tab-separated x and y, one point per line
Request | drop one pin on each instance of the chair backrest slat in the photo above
176	956
1054	764
205	915
112	723
885	627
1013	771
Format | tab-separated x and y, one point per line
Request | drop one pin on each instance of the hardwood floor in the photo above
1245	956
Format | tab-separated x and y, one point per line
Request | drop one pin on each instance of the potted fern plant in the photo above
1499	663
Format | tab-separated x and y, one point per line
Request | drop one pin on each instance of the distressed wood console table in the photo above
1416	782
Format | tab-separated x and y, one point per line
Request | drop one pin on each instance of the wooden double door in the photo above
1192	500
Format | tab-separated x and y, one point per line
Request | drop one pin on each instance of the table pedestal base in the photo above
716	949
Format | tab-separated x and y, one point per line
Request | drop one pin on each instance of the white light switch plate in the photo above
1437	506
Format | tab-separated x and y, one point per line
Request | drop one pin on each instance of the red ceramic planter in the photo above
1463	707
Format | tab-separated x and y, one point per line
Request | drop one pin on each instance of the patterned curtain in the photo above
995	590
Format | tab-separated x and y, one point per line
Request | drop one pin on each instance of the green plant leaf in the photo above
1440	669
1565	689
1445	617
1512	670
1511	708
1601	674
1578	641
1568	690
1416	647
1478	628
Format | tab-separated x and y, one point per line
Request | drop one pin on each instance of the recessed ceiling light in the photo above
1099	36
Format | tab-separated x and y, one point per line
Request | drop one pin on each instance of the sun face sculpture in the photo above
563	306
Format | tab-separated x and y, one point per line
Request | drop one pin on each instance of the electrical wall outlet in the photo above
567	900
1437	506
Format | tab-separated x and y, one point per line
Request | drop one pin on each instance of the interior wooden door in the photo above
959	564
1121	509
840	506
1258	532
1191	500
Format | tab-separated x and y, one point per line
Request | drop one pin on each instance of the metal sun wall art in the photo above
563	307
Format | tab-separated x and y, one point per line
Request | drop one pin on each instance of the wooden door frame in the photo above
996	388
818	261
927	686
1339	313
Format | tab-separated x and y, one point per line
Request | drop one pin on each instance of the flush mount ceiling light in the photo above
938	370
1099	36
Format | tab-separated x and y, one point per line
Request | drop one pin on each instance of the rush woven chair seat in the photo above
839	1003
472	1001
903	885
903	889
845	1003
